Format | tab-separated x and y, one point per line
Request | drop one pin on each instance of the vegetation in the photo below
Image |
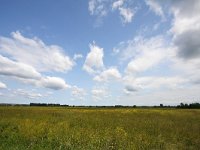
98	128
189	106
182	105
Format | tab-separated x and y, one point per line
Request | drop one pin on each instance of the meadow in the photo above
54	128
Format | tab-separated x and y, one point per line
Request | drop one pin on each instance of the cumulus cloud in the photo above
2	85
94	65
54	83
34	52
186	28
144	54
188	44
26	58
109	74
29	75
17	69
94	59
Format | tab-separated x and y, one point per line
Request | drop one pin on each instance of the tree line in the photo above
181	105
192	105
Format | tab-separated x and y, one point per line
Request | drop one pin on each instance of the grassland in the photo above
98	128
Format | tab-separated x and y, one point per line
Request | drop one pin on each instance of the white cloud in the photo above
186	28
97	7
128	49
142	47
144	53
185	25
145	61
36	53
94	59
91	6
134	84
77	56
29	75
17	69
157	82
166	97
117	4
186	15
101	8
27	94
78	93
109	74
23	61
2	85
155	7
126	14
188	69
99	93
54	83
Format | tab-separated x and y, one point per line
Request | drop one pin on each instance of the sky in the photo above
100	52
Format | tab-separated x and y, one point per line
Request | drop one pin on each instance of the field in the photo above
99	128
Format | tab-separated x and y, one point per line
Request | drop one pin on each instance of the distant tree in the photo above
118	106
182	105
161	105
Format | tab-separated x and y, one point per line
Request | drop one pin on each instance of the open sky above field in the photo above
100	52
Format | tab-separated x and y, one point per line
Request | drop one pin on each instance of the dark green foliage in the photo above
189	106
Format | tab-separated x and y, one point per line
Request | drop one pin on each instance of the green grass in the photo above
98	128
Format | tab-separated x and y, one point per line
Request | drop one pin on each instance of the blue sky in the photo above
100	52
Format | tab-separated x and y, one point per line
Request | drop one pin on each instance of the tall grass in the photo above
98	129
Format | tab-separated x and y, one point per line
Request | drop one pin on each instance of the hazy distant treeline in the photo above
181	105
